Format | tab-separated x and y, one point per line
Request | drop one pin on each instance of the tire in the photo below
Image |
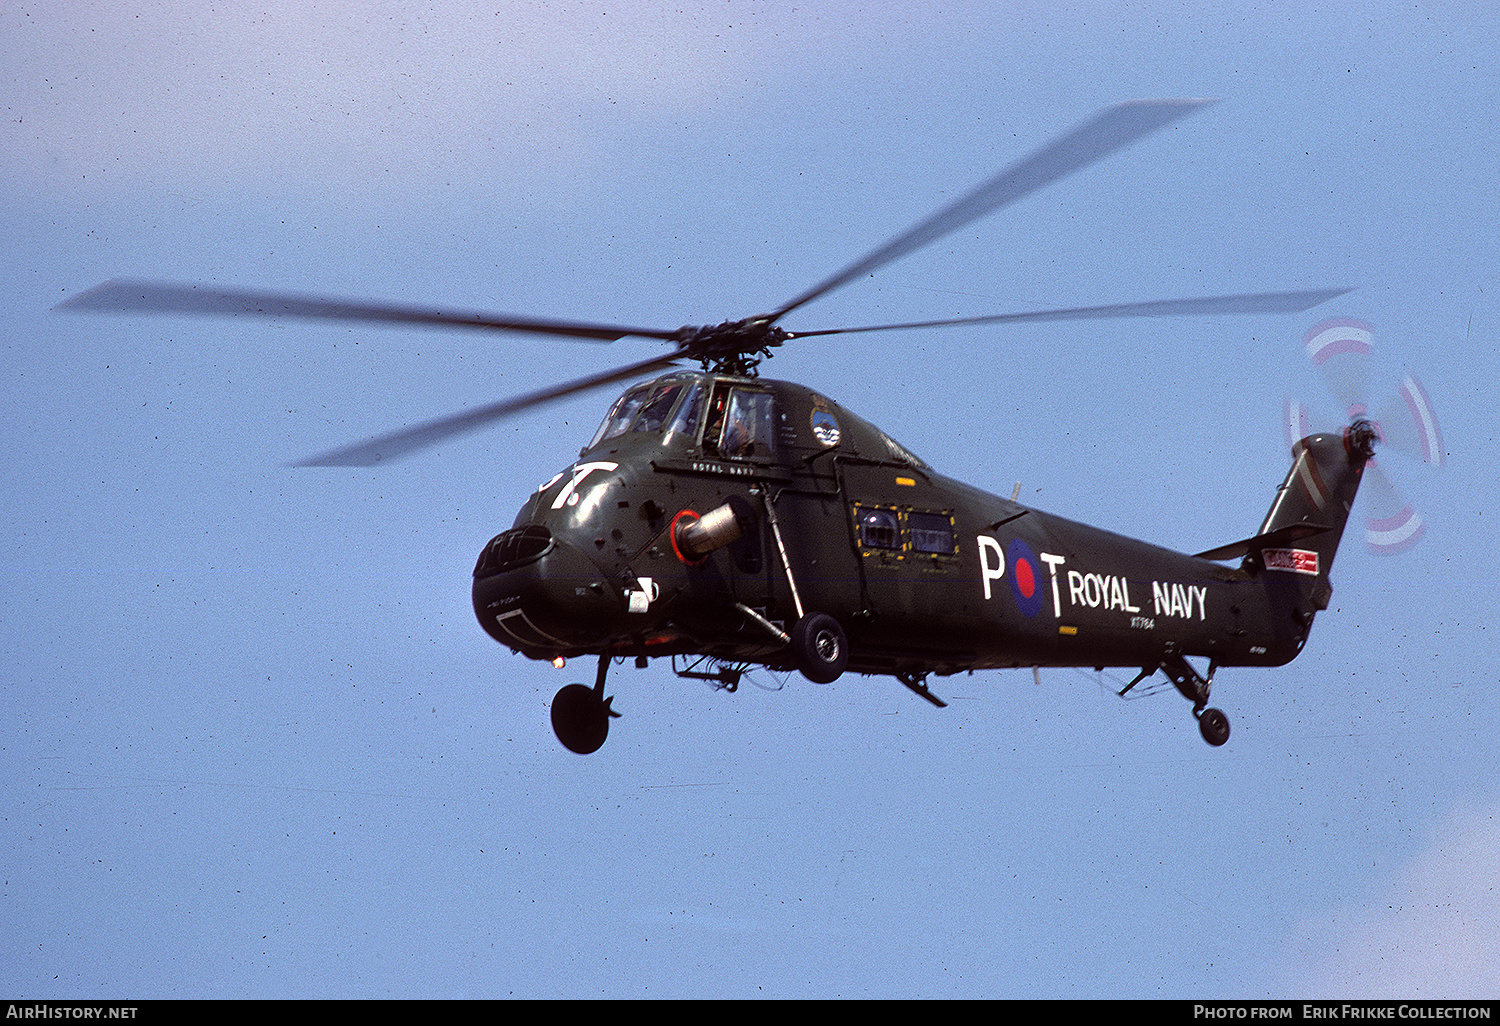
1214	726
579	719
820	648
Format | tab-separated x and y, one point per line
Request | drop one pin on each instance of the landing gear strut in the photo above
581	714
1212	723
918	683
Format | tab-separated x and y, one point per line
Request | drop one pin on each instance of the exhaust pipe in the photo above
720	526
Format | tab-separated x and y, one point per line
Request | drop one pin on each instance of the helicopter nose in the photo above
539	594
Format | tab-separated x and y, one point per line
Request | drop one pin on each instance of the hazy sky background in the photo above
253	742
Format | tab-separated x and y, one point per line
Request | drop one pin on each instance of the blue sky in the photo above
254	743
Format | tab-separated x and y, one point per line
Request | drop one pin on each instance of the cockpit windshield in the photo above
649	407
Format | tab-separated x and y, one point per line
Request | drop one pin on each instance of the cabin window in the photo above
897	529
932	533
878	528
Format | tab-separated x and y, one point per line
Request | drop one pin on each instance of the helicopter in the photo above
726	521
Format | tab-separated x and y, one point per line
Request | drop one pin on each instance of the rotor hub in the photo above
733	347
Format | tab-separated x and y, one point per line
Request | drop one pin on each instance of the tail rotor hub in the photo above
1360	438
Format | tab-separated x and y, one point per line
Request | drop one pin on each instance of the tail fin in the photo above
1294	550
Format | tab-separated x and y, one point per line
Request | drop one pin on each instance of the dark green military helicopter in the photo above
723	520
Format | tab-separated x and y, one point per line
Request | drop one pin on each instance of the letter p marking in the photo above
988	572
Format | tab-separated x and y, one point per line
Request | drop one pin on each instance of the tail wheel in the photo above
820	648
1214	726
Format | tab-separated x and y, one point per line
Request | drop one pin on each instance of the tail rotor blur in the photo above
1342	351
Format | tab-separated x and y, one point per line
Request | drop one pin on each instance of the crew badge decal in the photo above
825	426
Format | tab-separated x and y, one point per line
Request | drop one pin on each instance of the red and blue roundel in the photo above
1025	577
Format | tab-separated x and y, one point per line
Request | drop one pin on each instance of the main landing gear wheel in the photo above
579	719
1214	726
820	648
581	714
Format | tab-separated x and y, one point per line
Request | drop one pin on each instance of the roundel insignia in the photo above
1025	577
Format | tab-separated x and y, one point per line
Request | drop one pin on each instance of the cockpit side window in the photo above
685	420
748	430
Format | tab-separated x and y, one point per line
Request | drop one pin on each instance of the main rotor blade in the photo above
123	295
1258	302
397	444
1110	130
